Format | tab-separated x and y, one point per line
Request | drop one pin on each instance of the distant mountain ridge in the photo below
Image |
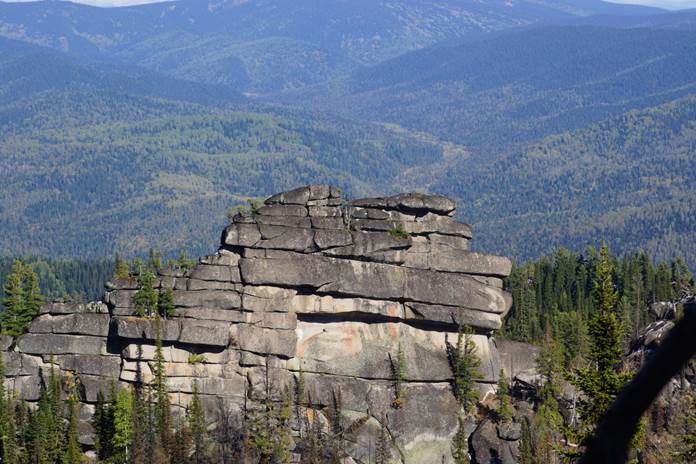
273	45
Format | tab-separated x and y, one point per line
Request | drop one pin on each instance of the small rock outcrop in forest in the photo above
306	283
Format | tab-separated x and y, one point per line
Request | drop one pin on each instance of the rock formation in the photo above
307	282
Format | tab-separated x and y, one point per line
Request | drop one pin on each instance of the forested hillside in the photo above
273	45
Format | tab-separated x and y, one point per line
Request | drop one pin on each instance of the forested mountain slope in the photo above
96	161
628	180
272	45
517	87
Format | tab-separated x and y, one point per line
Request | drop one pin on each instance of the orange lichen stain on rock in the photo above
350	339
393	330
392	311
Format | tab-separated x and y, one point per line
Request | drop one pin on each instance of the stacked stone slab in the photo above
308	282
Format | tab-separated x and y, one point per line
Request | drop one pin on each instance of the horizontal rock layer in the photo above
306	283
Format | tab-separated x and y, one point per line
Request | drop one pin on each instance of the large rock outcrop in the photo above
307	282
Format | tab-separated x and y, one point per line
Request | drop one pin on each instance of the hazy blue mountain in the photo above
272	45
517	87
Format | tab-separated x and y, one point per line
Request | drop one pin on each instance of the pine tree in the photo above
9	452
399	373
383	452
460	444
504	412
73	452
600	382
465	369
166	303
123	424
162	405
33	299
146	297
196	423
121	271
14	319
154	260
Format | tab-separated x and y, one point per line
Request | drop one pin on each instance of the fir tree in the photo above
33	299
123	424
465	369
146	296
195	416
9	452
16	317
600	382
460	444
162	404
399	373
504	412
73	452
121	271
166	303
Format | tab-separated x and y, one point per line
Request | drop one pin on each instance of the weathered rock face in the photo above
307	283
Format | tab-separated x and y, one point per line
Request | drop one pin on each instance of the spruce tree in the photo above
600	382
195	416
121	271
162	404
73	452
399	373
15	318
465	369
9	452
460	444
123	424
146	296
504	413
33	299
166	303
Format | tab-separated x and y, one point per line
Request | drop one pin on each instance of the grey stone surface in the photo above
5	342
207	299
283	210
306	283
215	273
298	196
269	341
78	324
213	333
137	328
60	344
105	366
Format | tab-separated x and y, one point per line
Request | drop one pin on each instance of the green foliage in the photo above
22	301
195	358
195	416
688	452
600	382
121	270
146	297
165	303
465	369
556	293
399	374
399	232
504	411
123	423
460	444
73	451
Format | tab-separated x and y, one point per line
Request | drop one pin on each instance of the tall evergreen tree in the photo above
504	412
15	318
123	424
196	423
465	369
73	452
600	382
399	373
162	404
460	444
166	303
146	296
9	450
121	271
